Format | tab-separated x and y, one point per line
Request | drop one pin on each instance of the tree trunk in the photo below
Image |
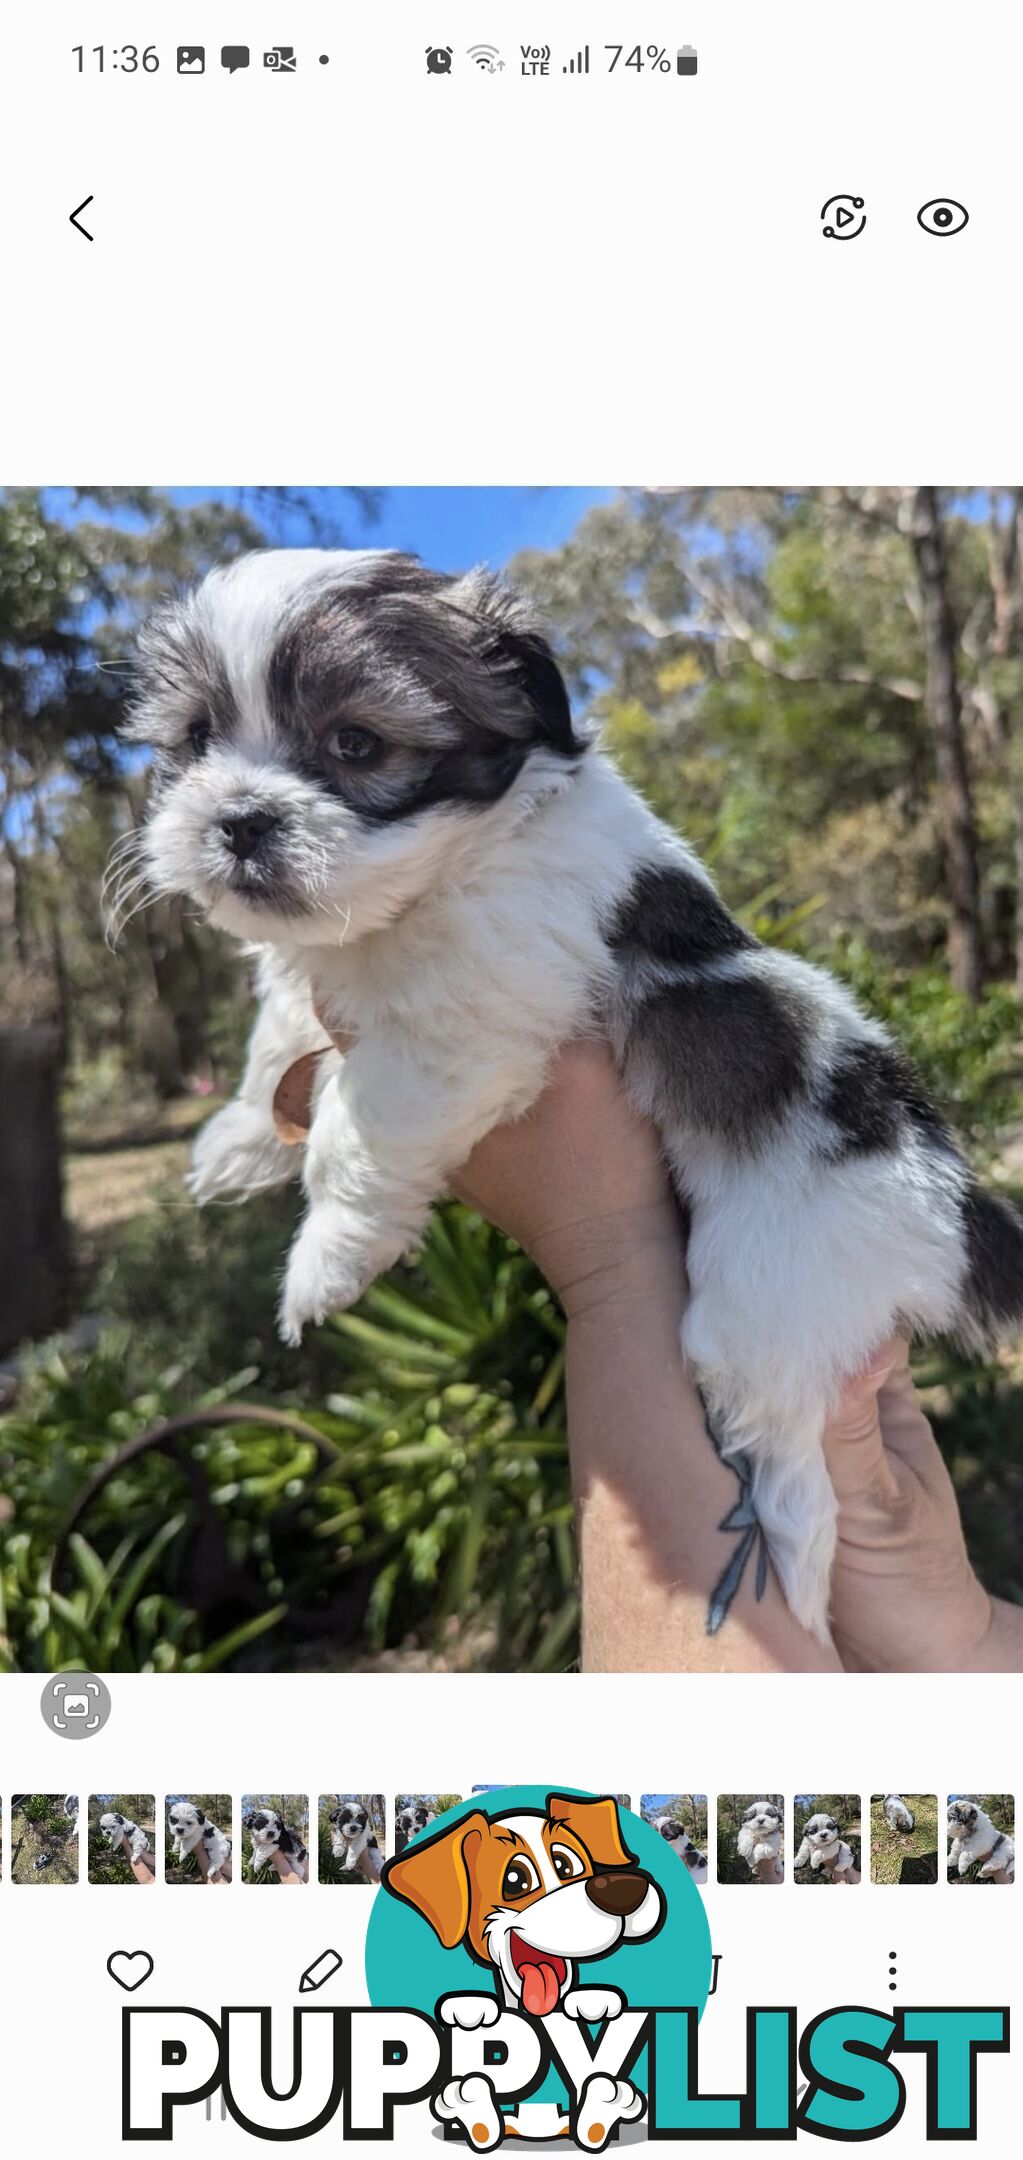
33	1244
945	715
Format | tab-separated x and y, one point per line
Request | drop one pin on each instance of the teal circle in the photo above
407	1967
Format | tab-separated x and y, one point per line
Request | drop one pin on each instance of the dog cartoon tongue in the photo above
542	1974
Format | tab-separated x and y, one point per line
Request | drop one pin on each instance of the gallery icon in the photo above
75	1704
846	217
943	217
438	59
191	59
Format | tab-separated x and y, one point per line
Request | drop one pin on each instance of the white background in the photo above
363	274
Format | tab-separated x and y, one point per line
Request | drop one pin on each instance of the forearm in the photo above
651	1493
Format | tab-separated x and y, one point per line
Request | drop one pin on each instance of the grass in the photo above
41	1830
905	1857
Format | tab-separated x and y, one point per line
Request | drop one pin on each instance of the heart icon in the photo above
129	1968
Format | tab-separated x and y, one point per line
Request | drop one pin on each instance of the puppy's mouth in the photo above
542	1973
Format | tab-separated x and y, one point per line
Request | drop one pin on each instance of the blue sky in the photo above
454	527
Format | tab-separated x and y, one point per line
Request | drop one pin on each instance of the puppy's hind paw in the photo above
470	2103
603	2103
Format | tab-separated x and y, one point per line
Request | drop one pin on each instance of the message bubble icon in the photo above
233	57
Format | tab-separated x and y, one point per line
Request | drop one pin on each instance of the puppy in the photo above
824	1847
122	1834
760	1835
529	1895
973	1837
682	1844
897	1815
189	1827
370	772
351	1833
270	1834
71	1807
410	1820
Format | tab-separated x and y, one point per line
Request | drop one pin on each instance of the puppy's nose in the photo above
246	832
619	1894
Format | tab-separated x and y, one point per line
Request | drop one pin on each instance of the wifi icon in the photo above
487	59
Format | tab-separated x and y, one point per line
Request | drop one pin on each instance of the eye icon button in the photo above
943	217
845	215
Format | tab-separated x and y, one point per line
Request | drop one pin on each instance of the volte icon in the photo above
846	217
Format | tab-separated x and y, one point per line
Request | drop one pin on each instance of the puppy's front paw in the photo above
593	2004
238	1153
325	1274
469	2012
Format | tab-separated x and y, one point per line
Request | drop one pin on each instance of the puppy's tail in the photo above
991	1301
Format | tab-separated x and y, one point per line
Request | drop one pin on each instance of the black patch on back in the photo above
994	1244
871	1092
731	1053
675	917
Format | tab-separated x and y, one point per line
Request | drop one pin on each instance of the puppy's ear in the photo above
435	1876
516	651
595	1823
199	1816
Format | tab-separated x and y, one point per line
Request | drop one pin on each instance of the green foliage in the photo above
439	1505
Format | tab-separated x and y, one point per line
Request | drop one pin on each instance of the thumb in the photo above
853	1442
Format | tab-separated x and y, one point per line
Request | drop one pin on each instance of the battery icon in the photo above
686	62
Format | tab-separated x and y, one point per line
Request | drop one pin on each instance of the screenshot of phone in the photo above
511	1092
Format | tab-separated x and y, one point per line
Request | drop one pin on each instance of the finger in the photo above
854	1447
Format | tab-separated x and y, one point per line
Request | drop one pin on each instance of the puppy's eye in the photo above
199	736
567	1864
520	1877
355	745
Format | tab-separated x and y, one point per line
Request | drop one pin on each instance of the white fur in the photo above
761	1834
964	1852
461	950
822	1847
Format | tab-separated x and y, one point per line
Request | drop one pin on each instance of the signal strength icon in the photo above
487	59
580	65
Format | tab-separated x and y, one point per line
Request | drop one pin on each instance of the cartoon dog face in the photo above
530	1893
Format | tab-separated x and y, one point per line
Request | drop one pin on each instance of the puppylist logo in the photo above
537	1966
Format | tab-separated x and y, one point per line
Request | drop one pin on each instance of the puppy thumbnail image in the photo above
751	1838
121	1834
44	1837
275	1838
681	1819
828	1837
415	1812
198	1831
351	1831
903	1837
981	1829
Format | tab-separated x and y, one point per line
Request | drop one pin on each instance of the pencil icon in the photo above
323	1968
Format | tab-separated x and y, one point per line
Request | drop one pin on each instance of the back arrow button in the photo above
76	214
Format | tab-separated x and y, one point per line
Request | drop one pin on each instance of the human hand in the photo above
904	1594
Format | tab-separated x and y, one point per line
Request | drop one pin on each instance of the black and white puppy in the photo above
270	1834
823	1846
351	1833
410	1820
760	1835
190	1827
124	1835
682	1844
897	1815
973	1837
370	772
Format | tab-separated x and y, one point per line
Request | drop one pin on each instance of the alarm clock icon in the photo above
438	59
